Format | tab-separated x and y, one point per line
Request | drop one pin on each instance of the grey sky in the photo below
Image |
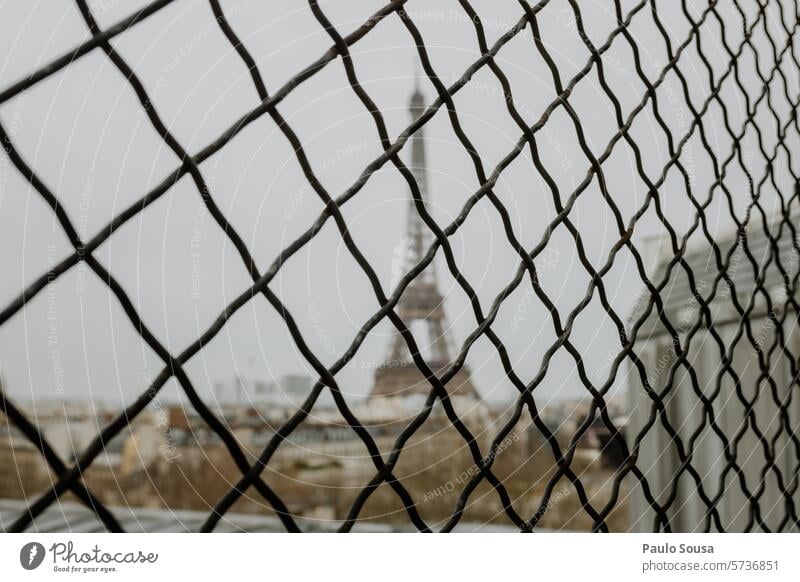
87	137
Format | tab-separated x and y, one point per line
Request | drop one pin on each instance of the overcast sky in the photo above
87	137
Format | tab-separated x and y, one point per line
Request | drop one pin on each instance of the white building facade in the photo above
729	390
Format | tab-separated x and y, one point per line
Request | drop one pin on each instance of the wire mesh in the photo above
653	311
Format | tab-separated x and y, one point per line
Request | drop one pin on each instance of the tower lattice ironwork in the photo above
422	304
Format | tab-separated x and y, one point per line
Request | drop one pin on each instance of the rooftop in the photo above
678	299
72	517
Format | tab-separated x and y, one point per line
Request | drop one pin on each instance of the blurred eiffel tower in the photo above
421	303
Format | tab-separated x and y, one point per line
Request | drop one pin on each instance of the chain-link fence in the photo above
711	430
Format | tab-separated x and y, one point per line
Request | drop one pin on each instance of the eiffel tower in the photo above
421	303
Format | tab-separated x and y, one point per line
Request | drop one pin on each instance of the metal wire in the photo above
70	478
